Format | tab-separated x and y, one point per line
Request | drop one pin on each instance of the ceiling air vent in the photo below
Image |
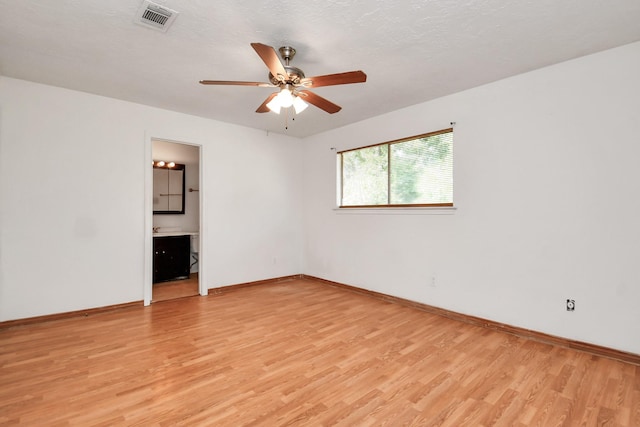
155	16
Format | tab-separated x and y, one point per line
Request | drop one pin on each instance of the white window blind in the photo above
415	171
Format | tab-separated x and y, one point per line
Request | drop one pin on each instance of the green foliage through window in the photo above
416	171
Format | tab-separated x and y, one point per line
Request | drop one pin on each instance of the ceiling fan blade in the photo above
270	58
335	79
235	83
320	102
263	108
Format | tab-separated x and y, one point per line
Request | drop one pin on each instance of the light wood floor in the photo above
175	289
299	353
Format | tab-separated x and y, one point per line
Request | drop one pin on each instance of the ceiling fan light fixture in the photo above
274	105
299	105
285	97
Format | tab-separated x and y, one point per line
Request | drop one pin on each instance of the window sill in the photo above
387	210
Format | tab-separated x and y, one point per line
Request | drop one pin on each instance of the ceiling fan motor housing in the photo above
295	75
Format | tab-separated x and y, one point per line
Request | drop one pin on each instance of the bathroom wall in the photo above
189	155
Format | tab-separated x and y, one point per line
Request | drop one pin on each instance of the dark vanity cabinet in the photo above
171	258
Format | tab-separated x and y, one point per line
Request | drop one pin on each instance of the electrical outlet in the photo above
571	305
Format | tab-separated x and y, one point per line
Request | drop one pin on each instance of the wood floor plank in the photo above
164	291
299	353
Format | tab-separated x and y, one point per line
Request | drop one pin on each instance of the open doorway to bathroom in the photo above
176	220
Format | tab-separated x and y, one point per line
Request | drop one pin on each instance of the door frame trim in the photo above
148	216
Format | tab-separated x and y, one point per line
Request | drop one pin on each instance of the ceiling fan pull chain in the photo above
286	119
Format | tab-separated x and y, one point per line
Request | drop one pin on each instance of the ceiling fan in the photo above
294	86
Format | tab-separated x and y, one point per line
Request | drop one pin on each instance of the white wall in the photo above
547	190
72	199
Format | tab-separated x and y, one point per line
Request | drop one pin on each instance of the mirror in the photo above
168	188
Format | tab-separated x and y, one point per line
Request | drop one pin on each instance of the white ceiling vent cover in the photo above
154	16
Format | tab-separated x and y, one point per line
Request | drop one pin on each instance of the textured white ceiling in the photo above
412	51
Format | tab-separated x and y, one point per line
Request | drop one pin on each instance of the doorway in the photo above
173	239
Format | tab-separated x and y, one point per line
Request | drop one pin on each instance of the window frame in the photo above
388	205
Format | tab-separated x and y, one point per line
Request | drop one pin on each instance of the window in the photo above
415	171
